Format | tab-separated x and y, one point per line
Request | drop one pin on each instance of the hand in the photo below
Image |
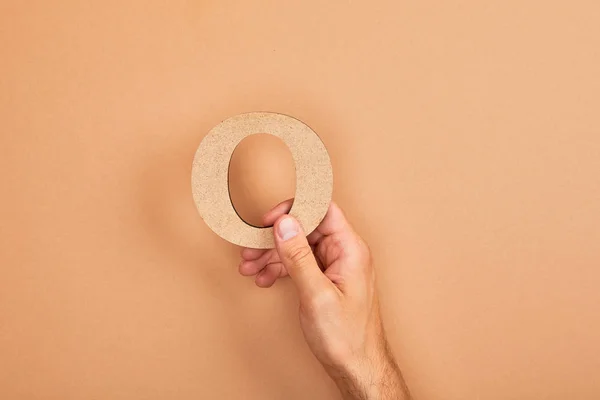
339	308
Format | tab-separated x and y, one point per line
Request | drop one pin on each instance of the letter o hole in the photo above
210	188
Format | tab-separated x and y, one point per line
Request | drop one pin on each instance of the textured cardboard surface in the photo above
314	177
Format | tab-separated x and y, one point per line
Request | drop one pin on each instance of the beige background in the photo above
465	142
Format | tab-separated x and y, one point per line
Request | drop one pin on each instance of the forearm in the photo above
375	379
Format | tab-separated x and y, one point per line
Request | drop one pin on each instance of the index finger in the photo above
282	208
333	222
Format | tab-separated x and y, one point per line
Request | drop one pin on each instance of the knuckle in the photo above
364	252
300	255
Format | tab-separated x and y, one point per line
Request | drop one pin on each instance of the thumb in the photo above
296	255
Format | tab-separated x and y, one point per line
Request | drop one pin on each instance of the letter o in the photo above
210	169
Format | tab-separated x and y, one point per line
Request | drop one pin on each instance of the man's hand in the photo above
339	309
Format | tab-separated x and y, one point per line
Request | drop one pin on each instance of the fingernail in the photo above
288	228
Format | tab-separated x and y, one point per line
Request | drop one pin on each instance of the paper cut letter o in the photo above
210	187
